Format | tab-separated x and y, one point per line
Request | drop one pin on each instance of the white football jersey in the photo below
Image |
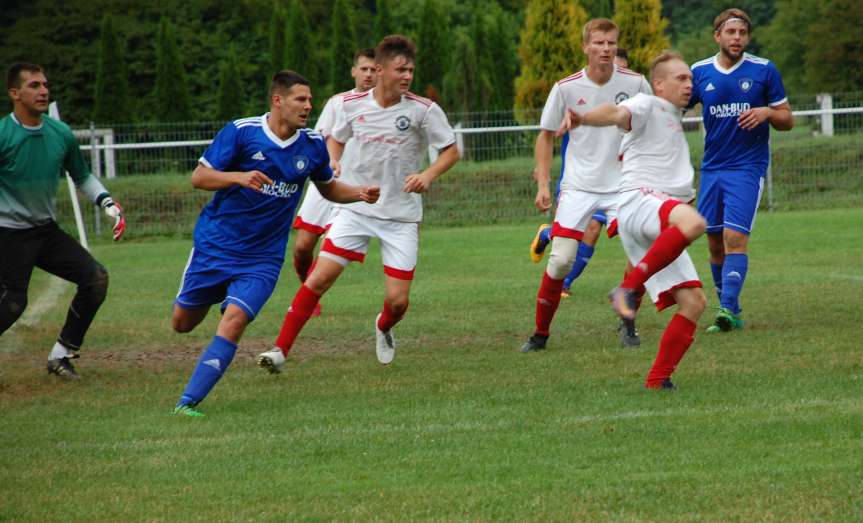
591	162
389	145
327	119
655	151
326	122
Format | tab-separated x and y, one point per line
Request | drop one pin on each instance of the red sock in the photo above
547	300
675	342
298	314
665	249
388	318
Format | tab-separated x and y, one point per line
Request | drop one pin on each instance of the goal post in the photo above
54	112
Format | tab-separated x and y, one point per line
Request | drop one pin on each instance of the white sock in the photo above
58	352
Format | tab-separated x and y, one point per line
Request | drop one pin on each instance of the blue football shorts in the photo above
208	280
729	199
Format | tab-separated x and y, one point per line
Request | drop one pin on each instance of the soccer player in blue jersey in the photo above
257	166
742	96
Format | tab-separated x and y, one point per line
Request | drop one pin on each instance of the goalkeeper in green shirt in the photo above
35	150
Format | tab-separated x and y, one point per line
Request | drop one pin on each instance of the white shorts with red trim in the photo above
574	209
315	213
350	233
642	215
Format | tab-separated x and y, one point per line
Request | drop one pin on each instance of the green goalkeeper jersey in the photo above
32	161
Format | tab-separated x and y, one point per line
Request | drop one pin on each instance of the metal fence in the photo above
818	164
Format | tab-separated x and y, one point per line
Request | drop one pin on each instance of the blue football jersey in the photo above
724	95
242	223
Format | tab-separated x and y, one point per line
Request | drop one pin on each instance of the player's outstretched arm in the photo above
542	153
340	192
602	116
210	179
421	182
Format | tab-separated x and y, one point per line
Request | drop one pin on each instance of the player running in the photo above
34	151
655	225
591	166
314	215
257	166
391	130
629	336
740	94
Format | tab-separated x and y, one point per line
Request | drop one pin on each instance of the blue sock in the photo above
211	366
545	235
733	275
716	269
582	258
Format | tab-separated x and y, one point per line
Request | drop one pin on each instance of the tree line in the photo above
114	61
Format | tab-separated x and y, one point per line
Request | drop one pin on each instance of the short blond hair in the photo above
666	56
603	25
727	15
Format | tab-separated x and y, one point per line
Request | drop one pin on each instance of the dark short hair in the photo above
622	53
284	80
13	75
727	15
366	52
395	45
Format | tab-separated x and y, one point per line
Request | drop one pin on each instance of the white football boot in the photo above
385	344
272	360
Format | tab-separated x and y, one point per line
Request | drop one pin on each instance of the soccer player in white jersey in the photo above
592	168
391	130
742	97
314	215
655	223
629	336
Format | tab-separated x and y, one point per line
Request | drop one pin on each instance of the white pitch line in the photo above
850	277
763	408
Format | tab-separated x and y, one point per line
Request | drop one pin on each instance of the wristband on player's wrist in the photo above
104	200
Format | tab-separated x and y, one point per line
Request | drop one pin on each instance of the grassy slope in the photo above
767	424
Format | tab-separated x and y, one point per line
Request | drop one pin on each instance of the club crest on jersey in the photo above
300	163
745	84
402	123
620	97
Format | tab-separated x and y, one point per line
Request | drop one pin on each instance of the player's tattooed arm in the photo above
421	182
542	153
779	117
210	179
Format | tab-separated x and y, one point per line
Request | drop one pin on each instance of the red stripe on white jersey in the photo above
355	96
623	70
570	78
417	98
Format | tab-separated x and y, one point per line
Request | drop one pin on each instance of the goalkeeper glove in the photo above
114	210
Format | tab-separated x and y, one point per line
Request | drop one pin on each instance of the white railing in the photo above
102	144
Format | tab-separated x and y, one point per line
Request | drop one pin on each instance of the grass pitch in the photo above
767	424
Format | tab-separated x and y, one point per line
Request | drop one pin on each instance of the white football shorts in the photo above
350	233
642	215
